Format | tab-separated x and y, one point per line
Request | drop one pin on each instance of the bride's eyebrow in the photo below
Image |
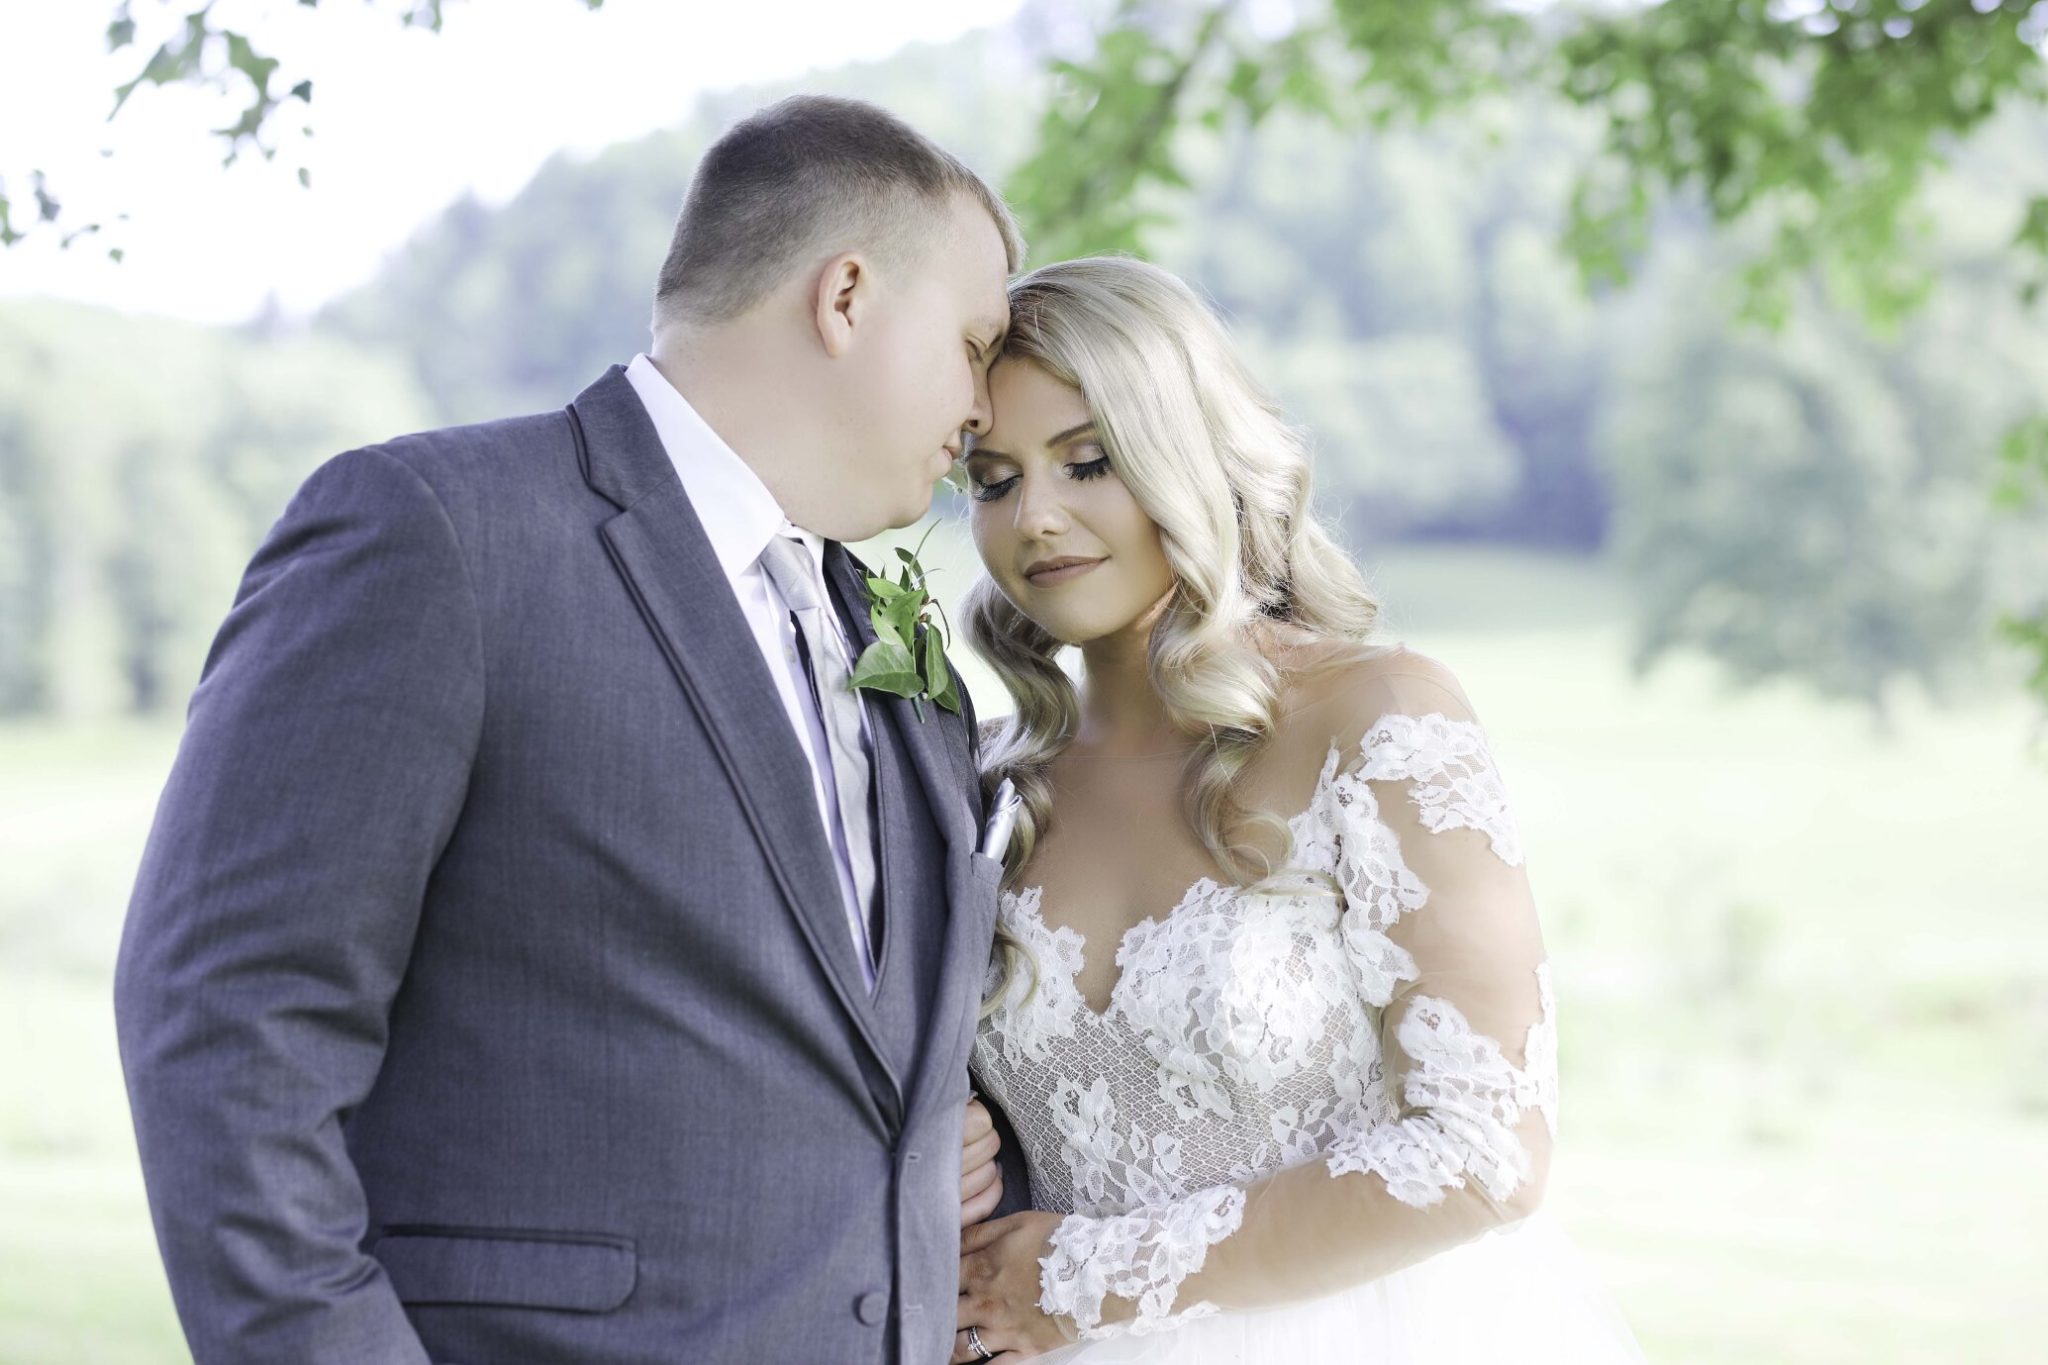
1072	433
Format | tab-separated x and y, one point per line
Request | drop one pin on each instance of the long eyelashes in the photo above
992	492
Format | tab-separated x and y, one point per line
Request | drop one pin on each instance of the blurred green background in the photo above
1716	527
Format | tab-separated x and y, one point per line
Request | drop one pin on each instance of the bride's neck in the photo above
1121	711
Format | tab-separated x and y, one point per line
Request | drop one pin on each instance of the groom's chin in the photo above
914	511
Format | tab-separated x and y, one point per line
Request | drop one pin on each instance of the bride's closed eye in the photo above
1078	470
1090	469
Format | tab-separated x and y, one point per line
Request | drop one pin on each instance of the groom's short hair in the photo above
809	173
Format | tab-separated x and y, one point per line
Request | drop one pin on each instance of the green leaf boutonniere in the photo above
908	657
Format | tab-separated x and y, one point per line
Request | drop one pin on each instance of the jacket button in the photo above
871	1307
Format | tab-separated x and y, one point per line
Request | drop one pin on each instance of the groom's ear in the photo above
841	302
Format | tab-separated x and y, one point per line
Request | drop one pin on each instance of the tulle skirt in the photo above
1519	1296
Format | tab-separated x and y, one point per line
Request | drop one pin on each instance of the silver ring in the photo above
974	1344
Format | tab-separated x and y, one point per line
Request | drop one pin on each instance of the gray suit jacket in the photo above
486	995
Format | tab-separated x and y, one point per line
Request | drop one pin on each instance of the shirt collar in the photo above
738	513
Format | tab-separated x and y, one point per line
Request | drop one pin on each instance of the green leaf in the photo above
903	613
47	206
886	629
938	677
243	57
2023	457
887	667
908	656
936	674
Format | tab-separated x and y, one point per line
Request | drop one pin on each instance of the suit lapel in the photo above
659	548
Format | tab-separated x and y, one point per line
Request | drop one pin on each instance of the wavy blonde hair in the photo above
1212	461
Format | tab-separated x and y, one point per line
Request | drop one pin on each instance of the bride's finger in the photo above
977	1122
963	1354
981	1149
979	1179
979	1204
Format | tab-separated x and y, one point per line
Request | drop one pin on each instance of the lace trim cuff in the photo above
1142	1255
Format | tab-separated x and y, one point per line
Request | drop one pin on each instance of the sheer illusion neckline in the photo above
1030	900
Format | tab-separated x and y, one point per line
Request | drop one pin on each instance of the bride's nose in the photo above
1040	513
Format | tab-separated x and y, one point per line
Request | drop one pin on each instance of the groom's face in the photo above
924	371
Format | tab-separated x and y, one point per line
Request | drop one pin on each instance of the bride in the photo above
1269	1011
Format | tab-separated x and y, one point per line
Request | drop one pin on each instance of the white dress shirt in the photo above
740	516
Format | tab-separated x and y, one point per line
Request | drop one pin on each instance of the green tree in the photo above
140	463
1815	120
203	52
1804	132
1813	501
517	308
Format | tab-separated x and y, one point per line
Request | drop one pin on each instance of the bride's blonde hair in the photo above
1212	461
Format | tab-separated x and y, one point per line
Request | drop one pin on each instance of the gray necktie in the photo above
789	567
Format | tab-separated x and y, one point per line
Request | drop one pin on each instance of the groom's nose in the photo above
979	417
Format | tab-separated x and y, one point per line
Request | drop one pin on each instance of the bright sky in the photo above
404	121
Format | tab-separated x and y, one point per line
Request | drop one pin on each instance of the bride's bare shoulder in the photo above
1334	685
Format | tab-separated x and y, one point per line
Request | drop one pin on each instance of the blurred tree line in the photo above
1813	501
141	460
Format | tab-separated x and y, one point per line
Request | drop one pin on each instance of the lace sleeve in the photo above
1450	1135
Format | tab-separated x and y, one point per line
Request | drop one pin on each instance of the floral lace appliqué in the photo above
1039	1006
1455	783
1467	1098
1142	1256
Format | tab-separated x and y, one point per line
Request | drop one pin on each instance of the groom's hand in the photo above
981	1179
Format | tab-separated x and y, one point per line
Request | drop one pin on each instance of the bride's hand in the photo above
981	1179
999	1289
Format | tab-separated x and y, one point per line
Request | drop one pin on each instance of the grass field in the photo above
1803	970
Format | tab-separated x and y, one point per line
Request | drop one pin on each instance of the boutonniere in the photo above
908	657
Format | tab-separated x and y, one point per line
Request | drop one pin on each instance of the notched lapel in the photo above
658	545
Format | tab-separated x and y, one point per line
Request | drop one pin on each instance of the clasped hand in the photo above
999	1259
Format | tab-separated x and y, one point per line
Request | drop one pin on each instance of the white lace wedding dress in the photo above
1310	1123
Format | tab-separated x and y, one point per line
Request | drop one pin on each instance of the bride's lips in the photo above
1049	571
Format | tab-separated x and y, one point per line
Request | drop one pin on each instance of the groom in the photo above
540	953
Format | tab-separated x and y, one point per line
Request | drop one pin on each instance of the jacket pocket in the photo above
570	1271
986	870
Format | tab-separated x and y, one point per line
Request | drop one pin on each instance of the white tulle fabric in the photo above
1299	1091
